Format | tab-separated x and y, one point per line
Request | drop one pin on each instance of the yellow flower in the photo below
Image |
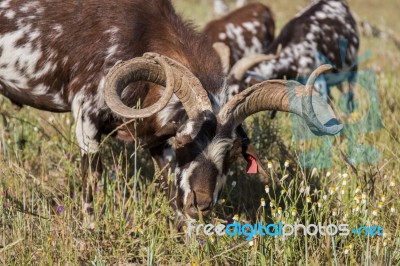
279	210
380	205
358	189
272	203
294	212
263	202
383	197
221	201
273	212
269	165
308	199
375	212
283	191
286	164
236	217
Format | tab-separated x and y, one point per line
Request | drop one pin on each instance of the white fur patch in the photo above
184	184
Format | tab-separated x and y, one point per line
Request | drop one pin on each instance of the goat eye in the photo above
181	141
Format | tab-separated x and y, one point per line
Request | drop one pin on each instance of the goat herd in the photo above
117	63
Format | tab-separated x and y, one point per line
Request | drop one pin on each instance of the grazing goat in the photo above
247	30
99	59
325	32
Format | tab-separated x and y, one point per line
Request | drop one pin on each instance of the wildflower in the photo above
358	190
319	204
344	182
392	209
283	191
380	205
236	217
251	243
385	177
266	189
331	190
346	250
384	243
357	199
68	121
375	212
325	197
344	219
383	197
343	190
356	208
280	210
35	129
286	164
328	174
272	203
334	212
308	199
294	212
263	202
273	212
60	209
139	230
269	165
233	184
212	239
392	183
221	201
345	175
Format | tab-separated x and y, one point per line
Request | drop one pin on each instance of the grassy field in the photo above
40	220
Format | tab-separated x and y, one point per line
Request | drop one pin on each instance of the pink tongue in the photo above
252	165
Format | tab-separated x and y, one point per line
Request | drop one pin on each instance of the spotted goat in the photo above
135	62
246	31
324	32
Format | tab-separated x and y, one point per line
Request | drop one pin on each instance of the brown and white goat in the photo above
324	32
99	59
247	30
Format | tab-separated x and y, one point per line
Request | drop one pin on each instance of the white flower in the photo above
251	243
375	212
266	189
221	201
286	164
294	212
269	165
383	197
233	184
263	202
235	217
328	174
334	212
35	129
392	183
344	182
325	197
392	209
279	210
345	175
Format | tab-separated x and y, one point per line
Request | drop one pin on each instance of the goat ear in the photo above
255	165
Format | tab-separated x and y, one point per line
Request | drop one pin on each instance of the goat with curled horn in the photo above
204	146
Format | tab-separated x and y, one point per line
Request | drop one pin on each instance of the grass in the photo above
40	220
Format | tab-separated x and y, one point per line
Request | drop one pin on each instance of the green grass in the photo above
40	219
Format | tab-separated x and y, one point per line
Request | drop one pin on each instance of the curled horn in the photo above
224	54
239	69
287	96
160	70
